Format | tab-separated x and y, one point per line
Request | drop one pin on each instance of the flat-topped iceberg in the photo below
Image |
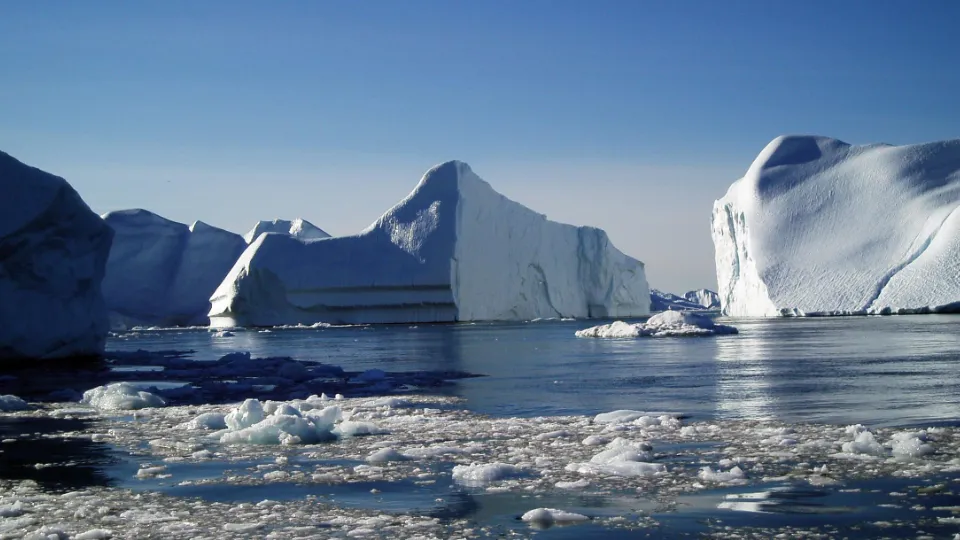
664	324
53	249
298	228
820	227
162	273
453	250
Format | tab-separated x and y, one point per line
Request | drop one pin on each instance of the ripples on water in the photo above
878	370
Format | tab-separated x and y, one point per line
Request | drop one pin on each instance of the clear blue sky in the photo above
632	116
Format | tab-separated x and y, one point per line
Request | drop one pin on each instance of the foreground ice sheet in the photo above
820	227
664	324
433	442
453	250
53	249
161	273
298	228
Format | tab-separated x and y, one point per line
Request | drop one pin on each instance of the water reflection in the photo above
36	449
743	374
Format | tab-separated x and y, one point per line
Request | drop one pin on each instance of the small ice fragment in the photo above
483	474
386	454
547	516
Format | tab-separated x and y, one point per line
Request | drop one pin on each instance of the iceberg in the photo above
663	324
161	272
53	249
819	227
298	228
705	298
453	250
664	301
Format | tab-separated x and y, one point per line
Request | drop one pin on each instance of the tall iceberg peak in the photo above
452	250
298	228
817	227
161	272
53	249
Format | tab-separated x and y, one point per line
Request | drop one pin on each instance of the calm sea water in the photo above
881	371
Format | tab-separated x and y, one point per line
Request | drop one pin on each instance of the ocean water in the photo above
883	371
774	400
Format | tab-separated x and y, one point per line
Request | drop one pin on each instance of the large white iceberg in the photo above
820	227
52	254
453	250
298	228
161	272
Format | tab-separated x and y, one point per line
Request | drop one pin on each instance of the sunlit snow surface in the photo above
433	443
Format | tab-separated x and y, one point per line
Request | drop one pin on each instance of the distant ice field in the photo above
883	371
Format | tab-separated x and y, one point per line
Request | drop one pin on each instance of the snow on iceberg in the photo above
664	324
298	228
820	227
453	250
120	397
54	249
162	273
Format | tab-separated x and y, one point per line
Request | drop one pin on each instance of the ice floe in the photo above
13	403
664	324
549	516
120	397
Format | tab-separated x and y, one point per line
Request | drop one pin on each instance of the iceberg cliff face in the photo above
298	228
161	272
820	227
453	250
53	249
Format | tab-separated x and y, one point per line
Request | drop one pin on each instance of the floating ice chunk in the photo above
10	403
325	418
621	450
371	375
432	451
476	475
616	329
910	444
595	440
618	468
549	516
552	435
94	534
864	443
209	420
13	510
392	402
278	429
120	397
386	454
241	528
350	428
625	415
664	324
249	413
578	484
733	476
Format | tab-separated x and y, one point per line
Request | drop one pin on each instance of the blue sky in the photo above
632	116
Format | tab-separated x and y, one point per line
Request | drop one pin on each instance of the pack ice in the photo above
452	250
820	227
161	272
298	228
53	249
